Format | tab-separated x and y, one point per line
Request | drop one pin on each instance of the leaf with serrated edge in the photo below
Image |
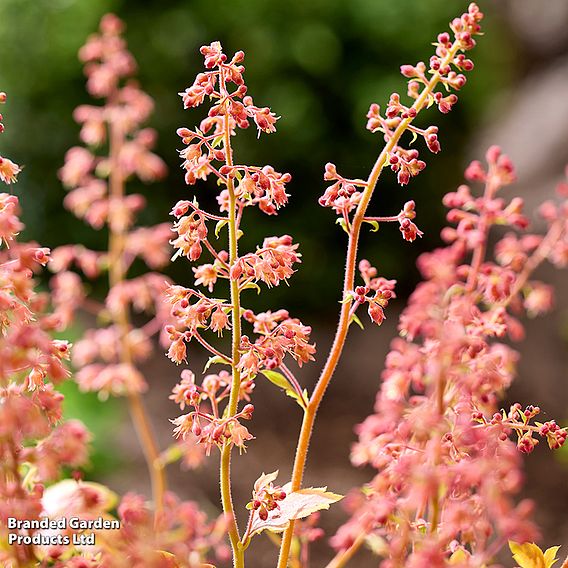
296	505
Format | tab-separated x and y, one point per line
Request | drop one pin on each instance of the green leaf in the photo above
341	221
253	286
277	379
239	234
219	226
355	318
215	359
171	455
282	382
374	224
217	141
414	137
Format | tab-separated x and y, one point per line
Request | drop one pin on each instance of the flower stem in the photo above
344	318
539	255
343	557
225	467
117	273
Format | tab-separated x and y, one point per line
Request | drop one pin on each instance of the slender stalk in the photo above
479	252
343	557
117	274
344	317
538	256
225	467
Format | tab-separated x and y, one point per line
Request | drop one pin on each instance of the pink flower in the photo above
8	170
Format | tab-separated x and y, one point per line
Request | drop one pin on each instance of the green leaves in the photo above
282	382
219	226
355	318
252	286
216	359
374	224
341	222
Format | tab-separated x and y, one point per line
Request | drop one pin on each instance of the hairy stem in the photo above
344	317
117	274
225	469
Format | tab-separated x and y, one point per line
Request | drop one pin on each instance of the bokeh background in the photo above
318	64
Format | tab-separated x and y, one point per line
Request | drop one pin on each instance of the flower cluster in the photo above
117	149
35	443
278	336
271	263
518	420
447	473
8	169
205	146
209	428
183	536
107	357
445	70
215	418
265	495
376	292
193	312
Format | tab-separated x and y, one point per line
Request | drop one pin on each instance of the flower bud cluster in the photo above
265	497
279	335
205	424
376	292
445	68
519	421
